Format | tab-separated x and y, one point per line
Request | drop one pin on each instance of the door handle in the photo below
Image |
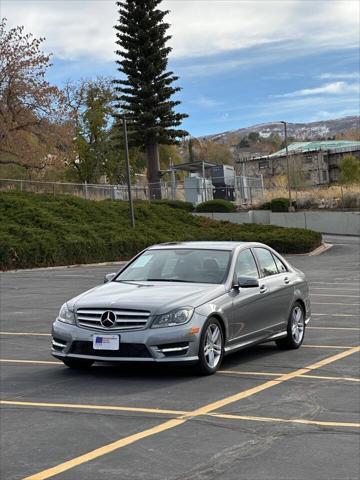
286	280
263	289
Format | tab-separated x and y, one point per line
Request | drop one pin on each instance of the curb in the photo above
323	247
64	267
318	251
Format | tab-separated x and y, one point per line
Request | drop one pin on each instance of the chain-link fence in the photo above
193	189
246	192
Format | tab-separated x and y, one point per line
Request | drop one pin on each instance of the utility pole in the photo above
127	163
287	163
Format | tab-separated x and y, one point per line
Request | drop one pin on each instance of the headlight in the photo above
66	315
171	319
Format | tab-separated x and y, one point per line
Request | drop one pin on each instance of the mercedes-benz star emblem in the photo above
108	319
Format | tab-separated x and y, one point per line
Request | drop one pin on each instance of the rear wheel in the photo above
295	329
77	363
211	348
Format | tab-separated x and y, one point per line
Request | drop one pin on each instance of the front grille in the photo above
130	350
125	319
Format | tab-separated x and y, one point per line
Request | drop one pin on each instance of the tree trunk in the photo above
153	167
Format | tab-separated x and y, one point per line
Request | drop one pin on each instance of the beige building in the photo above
311	163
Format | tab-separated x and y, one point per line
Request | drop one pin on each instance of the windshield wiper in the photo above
130	282
168	280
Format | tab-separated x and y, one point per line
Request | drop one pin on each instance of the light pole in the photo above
287	163
127	163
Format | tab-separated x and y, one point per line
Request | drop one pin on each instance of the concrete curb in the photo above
323	247
64	267
318	251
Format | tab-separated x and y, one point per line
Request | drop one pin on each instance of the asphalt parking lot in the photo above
268	414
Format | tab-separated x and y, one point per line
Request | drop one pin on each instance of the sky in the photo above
240	62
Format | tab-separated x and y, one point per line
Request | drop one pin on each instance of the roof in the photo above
200	245
193	166
332	145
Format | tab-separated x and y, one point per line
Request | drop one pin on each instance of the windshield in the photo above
178	265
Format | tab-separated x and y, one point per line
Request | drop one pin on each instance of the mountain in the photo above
301	131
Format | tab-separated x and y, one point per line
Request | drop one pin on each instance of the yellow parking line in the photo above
211	407
241	372
336	303
35	362
335	314
92	407
226	372
177	412
333	295
111	447
336	288
326	346
286	420
33	334
333	328
273	374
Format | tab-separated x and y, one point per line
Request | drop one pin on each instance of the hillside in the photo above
300	131
42	230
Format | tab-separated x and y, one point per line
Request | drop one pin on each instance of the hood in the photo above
156	297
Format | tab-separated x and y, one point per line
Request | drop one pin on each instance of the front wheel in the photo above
77	363
211	348
295	329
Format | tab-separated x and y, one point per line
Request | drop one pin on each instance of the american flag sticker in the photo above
106	342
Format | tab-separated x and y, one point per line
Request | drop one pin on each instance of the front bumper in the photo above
161	345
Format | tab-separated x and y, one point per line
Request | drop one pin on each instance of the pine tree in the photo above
145	93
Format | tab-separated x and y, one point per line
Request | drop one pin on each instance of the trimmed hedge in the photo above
216	206
41	230
187	206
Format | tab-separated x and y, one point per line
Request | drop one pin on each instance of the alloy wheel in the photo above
297	324
213	345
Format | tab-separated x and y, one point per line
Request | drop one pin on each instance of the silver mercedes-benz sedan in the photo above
187	303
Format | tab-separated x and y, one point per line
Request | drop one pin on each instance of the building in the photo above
310	163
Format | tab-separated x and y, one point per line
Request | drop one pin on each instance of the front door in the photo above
245	301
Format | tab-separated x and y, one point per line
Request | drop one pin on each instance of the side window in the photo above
280	266
266	261
245	265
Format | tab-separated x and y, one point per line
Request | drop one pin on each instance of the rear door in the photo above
275	288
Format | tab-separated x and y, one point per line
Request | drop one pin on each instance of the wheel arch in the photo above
302	303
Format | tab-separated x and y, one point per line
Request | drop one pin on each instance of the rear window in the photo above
266	261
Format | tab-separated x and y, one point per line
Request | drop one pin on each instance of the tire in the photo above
211	347
77	363
295	329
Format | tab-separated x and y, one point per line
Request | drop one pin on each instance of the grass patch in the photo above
39	230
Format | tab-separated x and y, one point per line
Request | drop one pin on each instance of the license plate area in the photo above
106	342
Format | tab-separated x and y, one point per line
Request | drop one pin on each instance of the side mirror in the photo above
108	277
247	282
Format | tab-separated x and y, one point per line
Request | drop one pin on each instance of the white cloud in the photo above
335	88
76	29
206	102
344	76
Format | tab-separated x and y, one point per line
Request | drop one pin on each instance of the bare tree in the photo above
34	126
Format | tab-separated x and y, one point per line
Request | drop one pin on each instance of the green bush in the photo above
279	205
264	206
188	206
42	230
216	206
